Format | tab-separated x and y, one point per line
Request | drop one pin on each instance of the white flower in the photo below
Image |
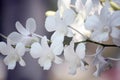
25	35
100	62
60	26
44	53
13	55
78	25
99	25
74	58
63	5
115	23
83	10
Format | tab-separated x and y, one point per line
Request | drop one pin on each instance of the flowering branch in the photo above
73	25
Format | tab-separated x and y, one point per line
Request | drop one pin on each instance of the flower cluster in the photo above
74	24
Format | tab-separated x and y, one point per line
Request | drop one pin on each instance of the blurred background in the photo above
20	10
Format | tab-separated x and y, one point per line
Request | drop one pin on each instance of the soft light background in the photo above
19	10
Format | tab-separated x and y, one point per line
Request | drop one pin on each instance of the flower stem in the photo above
3	36
90	41
78	32
102	44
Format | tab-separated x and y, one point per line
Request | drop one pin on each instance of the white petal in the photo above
116	36
50	24
67	3
14	38
82	67
61	25
72	69
3	48
100	68
88	6
57	36
80	50
69	33
45	63
105	14
31	25
100	36
20	49
11	49
69	16
44	43
22	62
57	50
58	60
116	41
115	33
79	5
63	4
21	29
92	23
96	73
115	19
11	63
69	53
36	50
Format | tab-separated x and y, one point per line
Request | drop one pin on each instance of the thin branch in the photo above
78	32
37	35
102	44
114	59
3	36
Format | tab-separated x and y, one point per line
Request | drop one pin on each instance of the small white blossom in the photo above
74	58
63	5
44	53
99	25
60	26
13	55
100	62
25	35
115	23
83	10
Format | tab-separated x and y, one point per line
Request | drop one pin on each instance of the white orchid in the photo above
44	53
74	24
60	25
102	25
25	35
83	10
99	25
99	61
63	5
115	23
74	58
13	55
